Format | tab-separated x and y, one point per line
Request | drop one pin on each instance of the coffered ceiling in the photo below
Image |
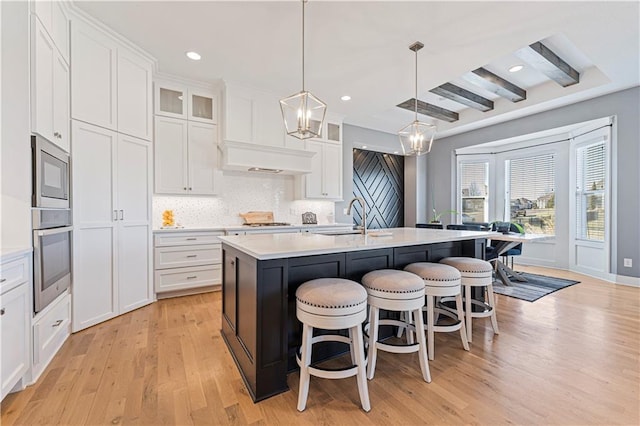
361	49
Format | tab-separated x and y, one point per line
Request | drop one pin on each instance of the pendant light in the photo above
303	113
417	137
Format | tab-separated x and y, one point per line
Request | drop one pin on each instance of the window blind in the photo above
590	186
531	192
473	192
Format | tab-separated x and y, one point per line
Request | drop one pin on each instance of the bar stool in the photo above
441	280
475	273
401	291
332	304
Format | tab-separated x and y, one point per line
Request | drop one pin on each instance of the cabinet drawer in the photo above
186	238
185	278
50	331
13	273
180	256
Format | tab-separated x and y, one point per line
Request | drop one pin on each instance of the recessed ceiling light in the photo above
516	68
194	56
364	147
346	98
395	152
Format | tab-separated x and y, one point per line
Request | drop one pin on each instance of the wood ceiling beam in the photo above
491	82
544	60
463	96
430	110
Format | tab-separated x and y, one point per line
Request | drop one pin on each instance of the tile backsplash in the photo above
240	193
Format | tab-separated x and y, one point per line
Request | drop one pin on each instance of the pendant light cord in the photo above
303	2
416	104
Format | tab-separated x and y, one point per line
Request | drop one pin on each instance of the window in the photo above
474	194
590	191
530	189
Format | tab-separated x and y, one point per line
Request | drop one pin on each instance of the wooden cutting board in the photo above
257	217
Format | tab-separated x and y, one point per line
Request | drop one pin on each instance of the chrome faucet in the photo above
364	213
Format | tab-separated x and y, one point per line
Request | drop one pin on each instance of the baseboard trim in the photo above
629	281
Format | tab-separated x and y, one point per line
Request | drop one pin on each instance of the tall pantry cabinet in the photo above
111	111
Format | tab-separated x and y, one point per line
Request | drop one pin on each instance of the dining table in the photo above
503	242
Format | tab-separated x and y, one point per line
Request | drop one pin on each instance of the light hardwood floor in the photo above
570	358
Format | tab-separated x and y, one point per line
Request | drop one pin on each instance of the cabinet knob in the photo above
185	188
233	262
190	188
2	311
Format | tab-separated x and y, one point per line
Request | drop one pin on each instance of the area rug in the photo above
535	287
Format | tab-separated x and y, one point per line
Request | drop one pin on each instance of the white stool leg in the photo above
422	352
403	317
430	324
374	314
463	329
358	344
352	349
410	332
468	311
303	388
492	303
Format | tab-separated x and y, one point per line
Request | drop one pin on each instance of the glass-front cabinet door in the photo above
171	100
202	106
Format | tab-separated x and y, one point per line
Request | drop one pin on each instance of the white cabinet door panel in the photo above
203	158
93	76
332	171
314	179
133	169
93	168
134	266
170	156
240	117
42	60
61	103
134	95
94	298
13	326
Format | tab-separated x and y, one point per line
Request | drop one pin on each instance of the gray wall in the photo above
625	106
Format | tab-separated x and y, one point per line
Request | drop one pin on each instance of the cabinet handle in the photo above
115	215
189	188
185	188
2	311
233	262
192	255
192	277
191	239
121	214
57	323
2	280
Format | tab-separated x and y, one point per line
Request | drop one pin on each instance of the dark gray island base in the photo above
259	322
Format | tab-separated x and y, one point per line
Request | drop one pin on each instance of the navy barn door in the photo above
379	179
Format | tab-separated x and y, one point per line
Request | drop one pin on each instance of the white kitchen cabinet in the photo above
53	16
51	327
187	260
15	312
177	100
112	236
186	157
93	76
49	88
135	93
325	180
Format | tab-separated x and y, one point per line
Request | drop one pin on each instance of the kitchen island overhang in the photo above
262	272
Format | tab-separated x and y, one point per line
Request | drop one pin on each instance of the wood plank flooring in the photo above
571	357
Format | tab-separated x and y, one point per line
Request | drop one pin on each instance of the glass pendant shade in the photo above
303	115
417	138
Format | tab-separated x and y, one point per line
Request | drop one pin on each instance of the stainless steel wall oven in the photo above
52	255
50	174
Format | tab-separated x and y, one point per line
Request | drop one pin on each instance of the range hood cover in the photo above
242	156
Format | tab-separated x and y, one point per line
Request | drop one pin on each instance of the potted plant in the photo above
435	218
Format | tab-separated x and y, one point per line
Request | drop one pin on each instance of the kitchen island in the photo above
262	272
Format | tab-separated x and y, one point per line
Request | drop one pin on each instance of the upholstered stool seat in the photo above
475	273
441	280
400	291
332	304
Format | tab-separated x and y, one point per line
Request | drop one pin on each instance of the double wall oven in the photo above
51	222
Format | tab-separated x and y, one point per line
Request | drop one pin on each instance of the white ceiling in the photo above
360	48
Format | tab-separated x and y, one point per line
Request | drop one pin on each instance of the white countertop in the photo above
247	228
275	246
